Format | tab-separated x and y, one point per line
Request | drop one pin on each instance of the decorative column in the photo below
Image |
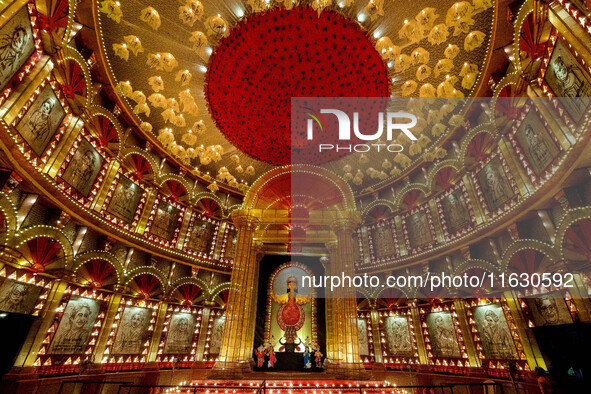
332	348
344	302
377	337
467	334
581	298
109	322
530	345
32	345
205	315
238	339
157	333
416	322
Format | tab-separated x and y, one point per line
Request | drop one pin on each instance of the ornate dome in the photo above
162	59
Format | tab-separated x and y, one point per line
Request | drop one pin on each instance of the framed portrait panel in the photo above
444	342
18	297
363	340
165	221
383	241
125	200
201	237
75	326
217	331
398	338
42	120
494	332
549	310
84	167
568	79
132	330
419	232
455	211
494	184
230	251
17	44
536	142
180	333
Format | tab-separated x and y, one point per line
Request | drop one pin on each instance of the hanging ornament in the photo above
216	26
443	66
426	18
199	127
121	51
150	16
423	72
157	100
112	9
156	84
191	12
438	34
184	77
165	136
199	40
427	90
473	40
451	51
408	88
134	44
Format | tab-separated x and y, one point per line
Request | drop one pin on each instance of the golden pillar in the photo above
467	334
344	337
34	341
157	334
101	344
580	298
332	346
238	339
377	337
528	341
415	315
205	316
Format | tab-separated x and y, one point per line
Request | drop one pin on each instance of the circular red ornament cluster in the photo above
273	56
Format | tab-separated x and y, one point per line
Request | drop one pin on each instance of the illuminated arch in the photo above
471	138
268	185
146	282
98	130
149	159
102	255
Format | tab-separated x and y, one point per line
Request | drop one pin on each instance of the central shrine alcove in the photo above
272	318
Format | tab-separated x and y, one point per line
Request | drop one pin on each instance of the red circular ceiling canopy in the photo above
273	56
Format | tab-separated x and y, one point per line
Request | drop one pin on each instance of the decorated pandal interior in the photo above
158	216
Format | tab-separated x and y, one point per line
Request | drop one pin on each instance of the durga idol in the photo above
291	315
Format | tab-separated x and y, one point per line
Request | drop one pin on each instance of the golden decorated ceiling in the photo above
158	54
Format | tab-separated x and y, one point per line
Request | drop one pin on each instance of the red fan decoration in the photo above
477	147
530	37
174	189
98	273
75	83
410	199
146	285
209	208
42	252
276	55
106	130
443	177
578	238
392	297
187	293
141	167
58	15
527	261
377	214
